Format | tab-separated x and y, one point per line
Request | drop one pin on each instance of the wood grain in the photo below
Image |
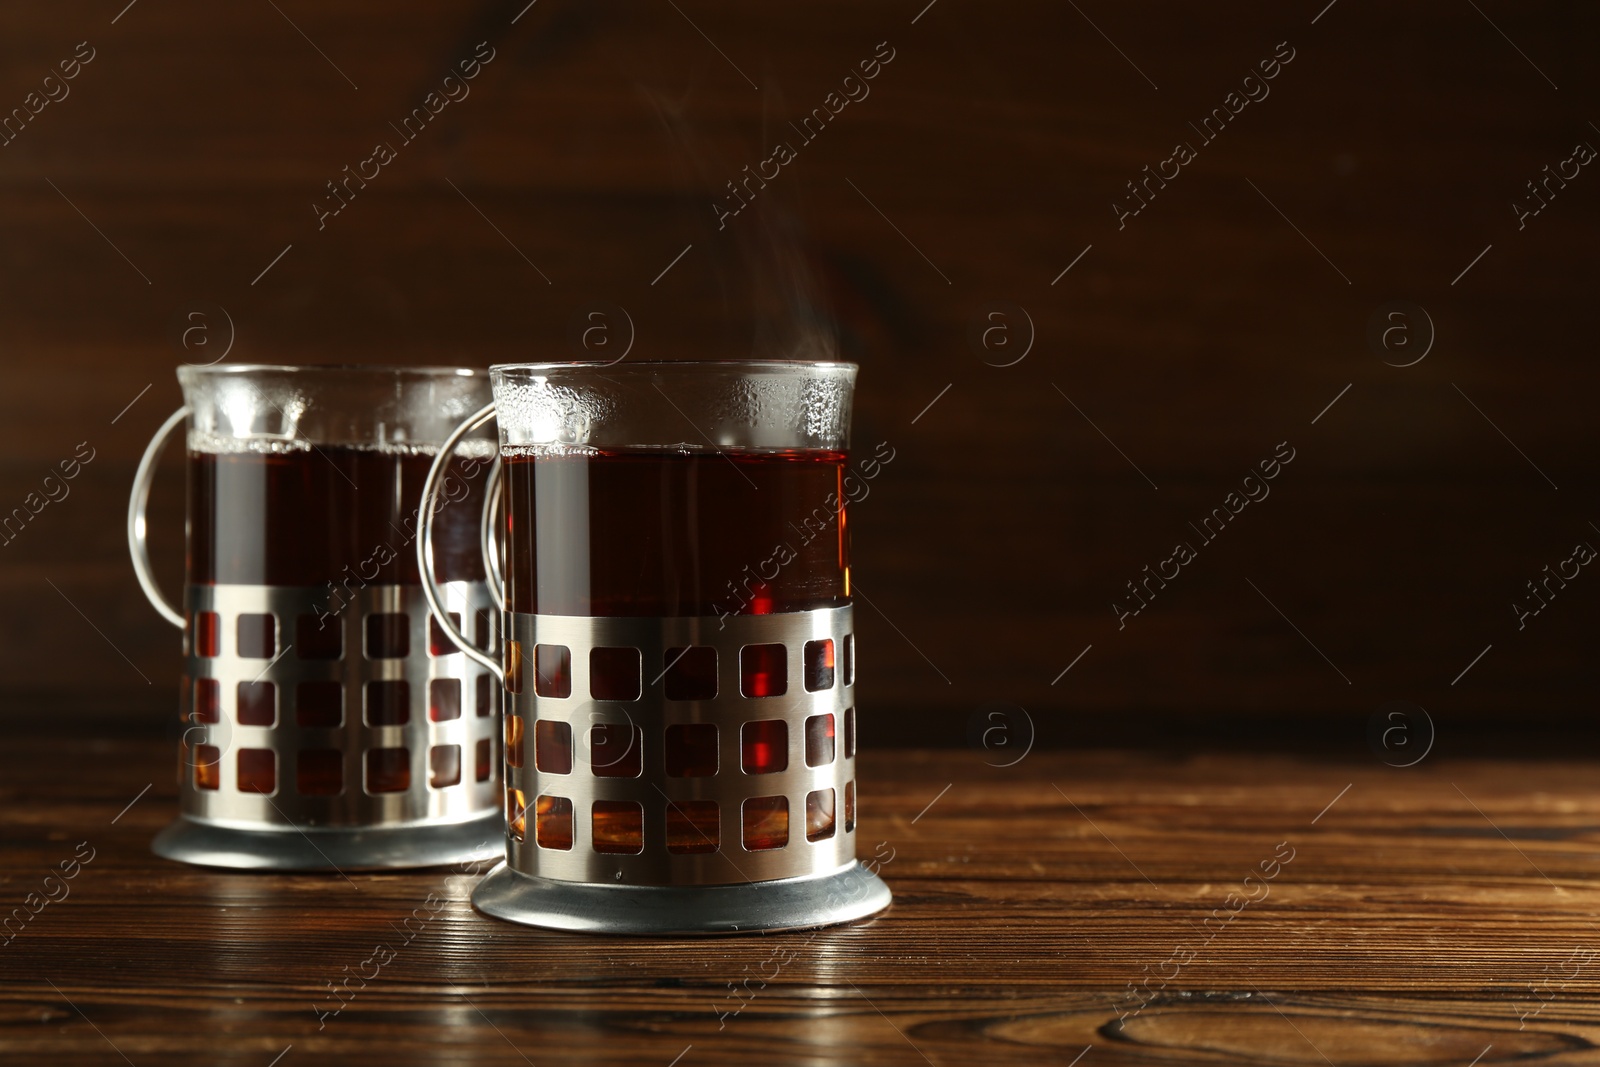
1423	913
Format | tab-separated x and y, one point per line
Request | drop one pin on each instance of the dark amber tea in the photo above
333	513
659	533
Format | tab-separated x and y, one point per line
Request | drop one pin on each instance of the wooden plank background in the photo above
985	159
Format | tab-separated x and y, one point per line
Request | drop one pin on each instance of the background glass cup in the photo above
679	659
328	724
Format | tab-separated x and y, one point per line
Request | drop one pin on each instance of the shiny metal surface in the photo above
209	777
731	863
431	588
852	892
422	845
138	530
490	543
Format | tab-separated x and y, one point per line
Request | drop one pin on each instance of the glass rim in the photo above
375	369
686	364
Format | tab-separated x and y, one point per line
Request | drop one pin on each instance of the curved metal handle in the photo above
489	532
138	502
425	514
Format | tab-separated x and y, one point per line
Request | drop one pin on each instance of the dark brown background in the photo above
1197	338
1429	911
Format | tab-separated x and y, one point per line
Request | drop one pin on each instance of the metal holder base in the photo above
852	892
435	845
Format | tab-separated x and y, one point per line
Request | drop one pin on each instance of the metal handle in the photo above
491	544
138	503
425	514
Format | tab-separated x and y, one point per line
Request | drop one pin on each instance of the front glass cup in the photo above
325	722
679	660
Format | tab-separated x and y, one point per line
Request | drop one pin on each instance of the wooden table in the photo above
1091	907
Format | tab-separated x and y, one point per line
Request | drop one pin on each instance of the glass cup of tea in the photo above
679	653
327	722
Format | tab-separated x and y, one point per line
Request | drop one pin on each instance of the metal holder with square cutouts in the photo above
681	775
335	729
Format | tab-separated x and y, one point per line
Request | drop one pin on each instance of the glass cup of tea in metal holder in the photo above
326	722
679	655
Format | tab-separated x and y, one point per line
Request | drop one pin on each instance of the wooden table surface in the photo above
1084	901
